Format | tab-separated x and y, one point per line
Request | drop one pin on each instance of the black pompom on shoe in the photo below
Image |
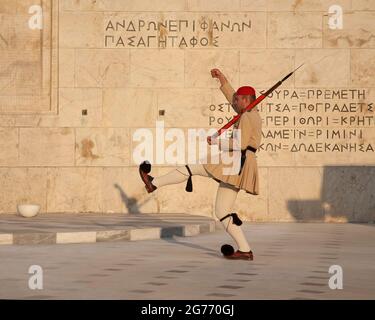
227	250
145	166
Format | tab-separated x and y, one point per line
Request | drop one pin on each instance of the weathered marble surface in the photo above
69	105
22	185
8	146
29	64
358	31
294	30
363	67
157	68
89	24
119	5
102	68
198	62
46	146
129	107
102	147
261	67
324	68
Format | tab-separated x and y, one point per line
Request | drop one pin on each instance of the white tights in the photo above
225	198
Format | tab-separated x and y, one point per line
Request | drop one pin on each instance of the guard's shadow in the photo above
206	250
133	207
130	203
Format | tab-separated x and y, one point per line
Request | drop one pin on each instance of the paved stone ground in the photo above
89	228
291	262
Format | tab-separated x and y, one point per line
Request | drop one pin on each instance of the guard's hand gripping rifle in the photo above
252	105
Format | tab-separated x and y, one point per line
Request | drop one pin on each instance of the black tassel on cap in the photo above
189	183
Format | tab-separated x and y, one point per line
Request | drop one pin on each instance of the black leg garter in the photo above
236	219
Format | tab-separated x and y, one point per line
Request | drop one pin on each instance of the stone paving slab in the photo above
89	228
291	261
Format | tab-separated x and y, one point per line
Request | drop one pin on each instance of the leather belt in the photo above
243	156
249	148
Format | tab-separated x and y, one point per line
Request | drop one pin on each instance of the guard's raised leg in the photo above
178	175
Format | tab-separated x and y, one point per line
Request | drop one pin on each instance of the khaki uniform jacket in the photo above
250	124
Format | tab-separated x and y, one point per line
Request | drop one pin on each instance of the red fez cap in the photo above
246	91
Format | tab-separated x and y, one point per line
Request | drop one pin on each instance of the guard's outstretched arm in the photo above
225	86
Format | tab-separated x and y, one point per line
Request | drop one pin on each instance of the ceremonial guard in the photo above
246	178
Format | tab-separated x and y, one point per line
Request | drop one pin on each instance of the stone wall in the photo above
73	94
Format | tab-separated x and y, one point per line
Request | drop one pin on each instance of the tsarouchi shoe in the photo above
239	255
144	169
